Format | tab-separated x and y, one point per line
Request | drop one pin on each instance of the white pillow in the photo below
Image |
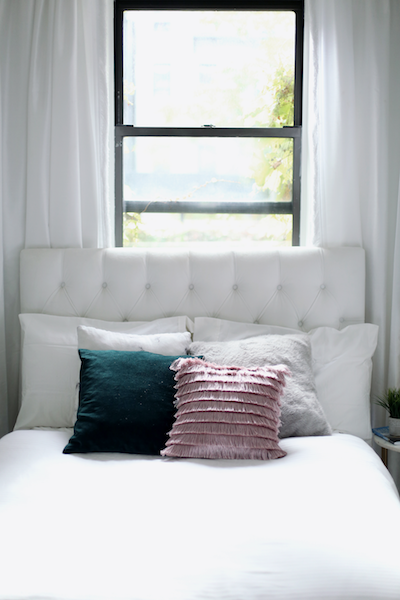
342	366
209	329
168	344
50	362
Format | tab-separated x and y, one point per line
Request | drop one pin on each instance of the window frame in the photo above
293	132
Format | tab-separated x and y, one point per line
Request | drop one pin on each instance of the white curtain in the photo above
351	159
56	59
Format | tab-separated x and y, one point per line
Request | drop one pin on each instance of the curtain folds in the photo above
66	123
56	90
351	160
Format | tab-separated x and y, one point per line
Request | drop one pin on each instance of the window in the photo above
208	121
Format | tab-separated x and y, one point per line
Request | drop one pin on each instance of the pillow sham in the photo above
301	413
50	363
126	402
211	329
341	362
226	411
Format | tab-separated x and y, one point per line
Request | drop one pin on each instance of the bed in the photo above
99	501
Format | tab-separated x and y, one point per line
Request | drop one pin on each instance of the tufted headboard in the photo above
300	288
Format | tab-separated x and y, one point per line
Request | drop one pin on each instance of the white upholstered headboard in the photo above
300	288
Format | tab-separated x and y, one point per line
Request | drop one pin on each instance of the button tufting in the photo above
62	284
256	322
148	286
191	286
279	287
104	285
322	286
235	286
300	323
341	320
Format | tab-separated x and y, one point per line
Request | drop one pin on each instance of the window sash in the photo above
294	132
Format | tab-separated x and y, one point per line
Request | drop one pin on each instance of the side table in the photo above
385	446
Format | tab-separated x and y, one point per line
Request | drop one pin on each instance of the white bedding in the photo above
119	527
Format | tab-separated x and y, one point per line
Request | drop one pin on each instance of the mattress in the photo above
318	523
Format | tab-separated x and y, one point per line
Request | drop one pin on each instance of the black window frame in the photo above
294	132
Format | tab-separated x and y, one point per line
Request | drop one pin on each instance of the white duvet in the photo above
321	523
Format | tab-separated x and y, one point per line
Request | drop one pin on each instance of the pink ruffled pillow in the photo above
226	411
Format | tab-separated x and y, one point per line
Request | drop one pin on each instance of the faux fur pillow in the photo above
301	412
226	412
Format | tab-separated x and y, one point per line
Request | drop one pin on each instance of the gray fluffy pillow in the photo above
301	412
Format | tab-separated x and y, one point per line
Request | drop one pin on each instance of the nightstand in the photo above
385	446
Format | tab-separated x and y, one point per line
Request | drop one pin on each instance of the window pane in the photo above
194	68
150	229
207	169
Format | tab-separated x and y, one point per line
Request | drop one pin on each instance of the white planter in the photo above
394	427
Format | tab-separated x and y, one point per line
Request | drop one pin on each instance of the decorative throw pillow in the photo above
126	402
301	412
226	412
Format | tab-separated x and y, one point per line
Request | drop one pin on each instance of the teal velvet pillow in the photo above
125	402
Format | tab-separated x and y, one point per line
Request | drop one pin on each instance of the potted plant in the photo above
390	401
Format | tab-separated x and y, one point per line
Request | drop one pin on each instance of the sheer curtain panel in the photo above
56	71
351	162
